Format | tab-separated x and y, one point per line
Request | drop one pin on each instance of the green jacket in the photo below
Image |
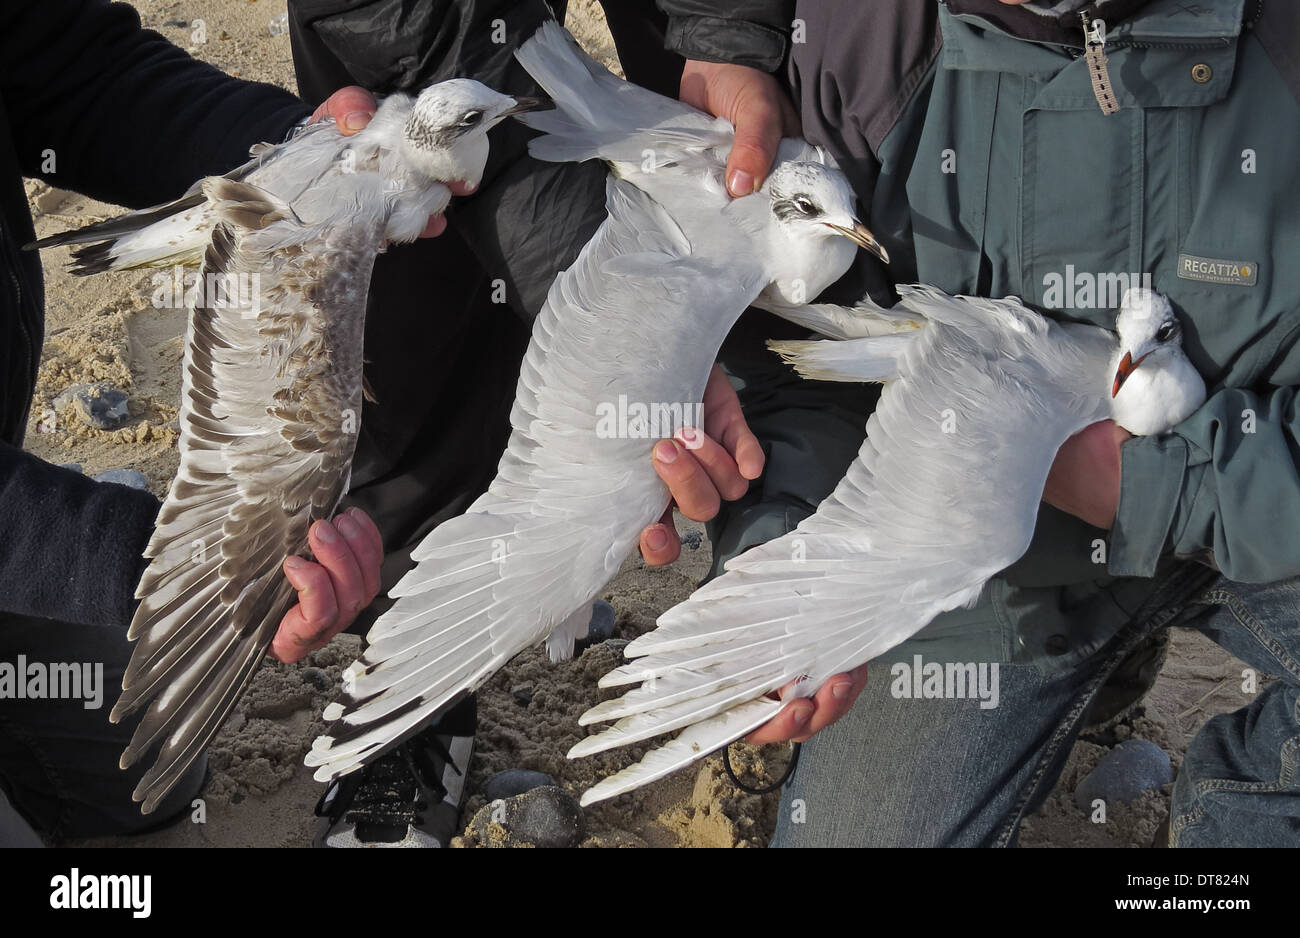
990	168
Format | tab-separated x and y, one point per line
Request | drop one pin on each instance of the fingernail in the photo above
800	716
468	186
740	182
841	690
666	451
326	533
691	438
356	120
657	539
347	527
295	564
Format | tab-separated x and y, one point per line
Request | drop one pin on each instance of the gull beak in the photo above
861	235
523	104
1126	367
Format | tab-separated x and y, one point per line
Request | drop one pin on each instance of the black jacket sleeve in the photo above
741	32
127	116
72	546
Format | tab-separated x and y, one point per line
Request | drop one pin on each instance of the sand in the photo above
258	793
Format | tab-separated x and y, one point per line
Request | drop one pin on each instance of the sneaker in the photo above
409	797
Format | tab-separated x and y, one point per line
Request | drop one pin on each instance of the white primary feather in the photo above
943	494
639	318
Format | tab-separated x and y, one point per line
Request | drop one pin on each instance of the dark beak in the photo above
861	235
523	104
1126	367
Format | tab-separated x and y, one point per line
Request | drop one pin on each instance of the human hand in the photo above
1085	476
703	468
754	102
352	107
333	590
805	716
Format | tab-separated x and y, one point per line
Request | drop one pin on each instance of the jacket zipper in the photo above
1094	44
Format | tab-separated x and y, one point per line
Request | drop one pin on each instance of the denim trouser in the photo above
909	772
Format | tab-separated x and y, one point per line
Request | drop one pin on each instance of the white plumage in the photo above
639	316
271	388
944	494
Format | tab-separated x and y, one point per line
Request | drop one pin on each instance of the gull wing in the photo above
634	317
270	407
943	494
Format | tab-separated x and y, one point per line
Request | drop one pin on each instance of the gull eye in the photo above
471	118
1167	331
804	205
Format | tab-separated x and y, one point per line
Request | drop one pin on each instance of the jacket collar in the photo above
1151	53
1173	21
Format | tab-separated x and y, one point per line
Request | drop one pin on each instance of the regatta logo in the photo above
637	420
57	680
75	891
236	290
1085	290
952	680
1214	270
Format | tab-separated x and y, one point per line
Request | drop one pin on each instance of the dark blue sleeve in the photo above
71	547
129	117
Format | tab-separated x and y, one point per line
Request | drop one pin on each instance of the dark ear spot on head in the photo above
798	205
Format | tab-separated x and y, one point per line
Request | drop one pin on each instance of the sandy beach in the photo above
107	328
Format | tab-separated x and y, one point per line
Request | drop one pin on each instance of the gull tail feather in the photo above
596	113
874	359
167	235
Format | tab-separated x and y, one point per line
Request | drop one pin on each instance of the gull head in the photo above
1155	385
817	228
445	137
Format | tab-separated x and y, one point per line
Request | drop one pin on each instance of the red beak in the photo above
1126	367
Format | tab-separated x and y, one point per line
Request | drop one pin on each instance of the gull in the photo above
638	317
272	385
942	496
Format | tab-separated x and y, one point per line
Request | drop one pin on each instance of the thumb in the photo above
758	134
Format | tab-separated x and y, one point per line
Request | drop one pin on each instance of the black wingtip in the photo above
92	259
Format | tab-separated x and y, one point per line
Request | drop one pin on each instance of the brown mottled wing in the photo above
271	404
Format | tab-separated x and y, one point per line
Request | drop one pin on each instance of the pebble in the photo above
316	678
513	782
1125	773
691	540
601	626
128	477
98	405
544	817
523	694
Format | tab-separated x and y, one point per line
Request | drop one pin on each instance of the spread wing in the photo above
635	318
270	406
943	494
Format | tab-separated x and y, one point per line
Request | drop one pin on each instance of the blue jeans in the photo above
943	772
